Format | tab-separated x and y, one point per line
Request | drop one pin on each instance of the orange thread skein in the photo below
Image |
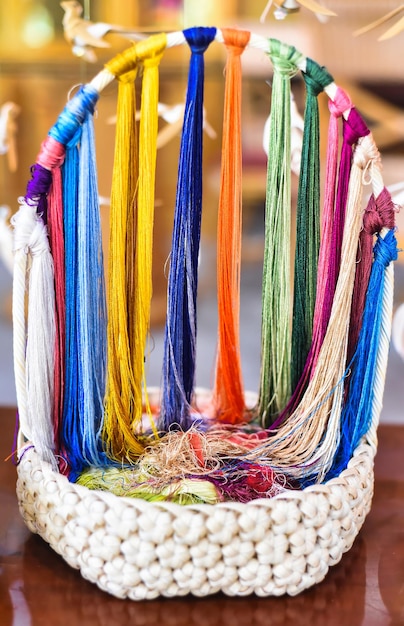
228	389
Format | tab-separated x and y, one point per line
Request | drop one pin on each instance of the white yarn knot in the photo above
30	233
366	153
39	242
367	158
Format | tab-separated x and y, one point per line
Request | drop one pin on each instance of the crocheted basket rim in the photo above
139	550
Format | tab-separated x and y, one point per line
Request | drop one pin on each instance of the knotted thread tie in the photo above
316	77
127	78
52	154
74	114
37	189
385	250
151	50
199	38
379	214
284	58
367	156
30	232
340	104
39	184
123	63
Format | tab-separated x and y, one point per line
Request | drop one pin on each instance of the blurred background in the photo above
38	67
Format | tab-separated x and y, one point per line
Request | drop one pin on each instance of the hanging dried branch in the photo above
392	31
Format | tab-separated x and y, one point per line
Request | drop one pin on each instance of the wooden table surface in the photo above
367	587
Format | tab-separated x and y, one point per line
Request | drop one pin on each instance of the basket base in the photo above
140	550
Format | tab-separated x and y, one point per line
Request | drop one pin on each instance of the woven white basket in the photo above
135	549
138	550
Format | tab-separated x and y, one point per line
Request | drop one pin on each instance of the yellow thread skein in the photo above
131	241
119	402
150	53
